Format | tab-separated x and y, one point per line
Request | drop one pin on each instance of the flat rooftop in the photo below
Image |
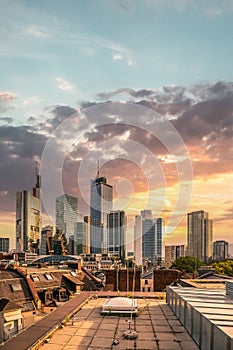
157	327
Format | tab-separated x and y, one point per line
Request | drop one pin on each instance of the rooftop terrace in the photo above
86	329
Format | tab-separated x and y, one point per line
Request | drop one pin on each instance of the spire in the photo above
36	189
98	169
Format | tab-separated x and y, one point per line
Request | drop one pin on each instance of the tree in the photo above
187	263
224	267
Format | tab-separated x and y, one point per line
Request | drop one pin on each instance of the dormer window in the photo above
16	287
48	276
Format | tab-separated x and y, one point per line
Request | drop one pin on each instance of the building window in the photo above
16	287
48	276
146	281
35	278
143	289
148	289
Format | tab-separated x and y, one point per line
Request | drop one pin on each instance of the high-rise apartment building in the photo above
200	235
66	214
4	244
147	238
117	234
173	252
220	250
28	219
100	206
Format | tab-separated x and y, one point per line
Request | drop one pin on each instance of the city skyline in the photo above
56	62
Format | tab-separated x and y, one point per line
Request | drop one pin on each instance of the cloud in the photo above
32	100
18	148
7	96
125	91
57	114
64	84
6	99
117	57
7	120
37	31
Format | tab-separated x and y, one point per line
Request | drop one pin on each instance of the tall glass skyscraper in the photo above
28	219
116	234
100	206
147	238
200	235
66	214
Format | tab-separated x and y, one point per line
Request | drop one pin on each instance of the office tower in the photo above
116	234
4	244
87	241
200	235
59	244
28	219
46	240
220	250
100	206
147	238
80	238
66	214
173	252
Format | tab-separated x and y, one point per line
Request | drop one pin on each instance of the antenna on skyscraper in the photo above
37	167
98	169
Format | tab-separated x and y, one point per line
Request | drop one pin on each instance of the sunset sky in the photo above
143	86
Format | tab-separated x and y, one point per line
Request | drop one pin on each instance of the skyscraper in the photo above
200	235
28	219
147	238
116	234
80	238
66	214
100	206
220	250
173	252
46	240
4	244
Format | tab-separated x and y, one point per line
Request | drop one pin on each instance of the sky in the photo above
145	87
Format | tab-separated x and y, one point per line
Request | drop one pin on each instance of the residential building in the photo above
100	206
116	234
147	238
220	250
200	235
66	214
173	252
18	303
4	244
28	219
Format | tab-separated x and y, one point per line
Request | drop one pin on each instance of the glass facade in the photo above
200	235
116	234
66	214
100	207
